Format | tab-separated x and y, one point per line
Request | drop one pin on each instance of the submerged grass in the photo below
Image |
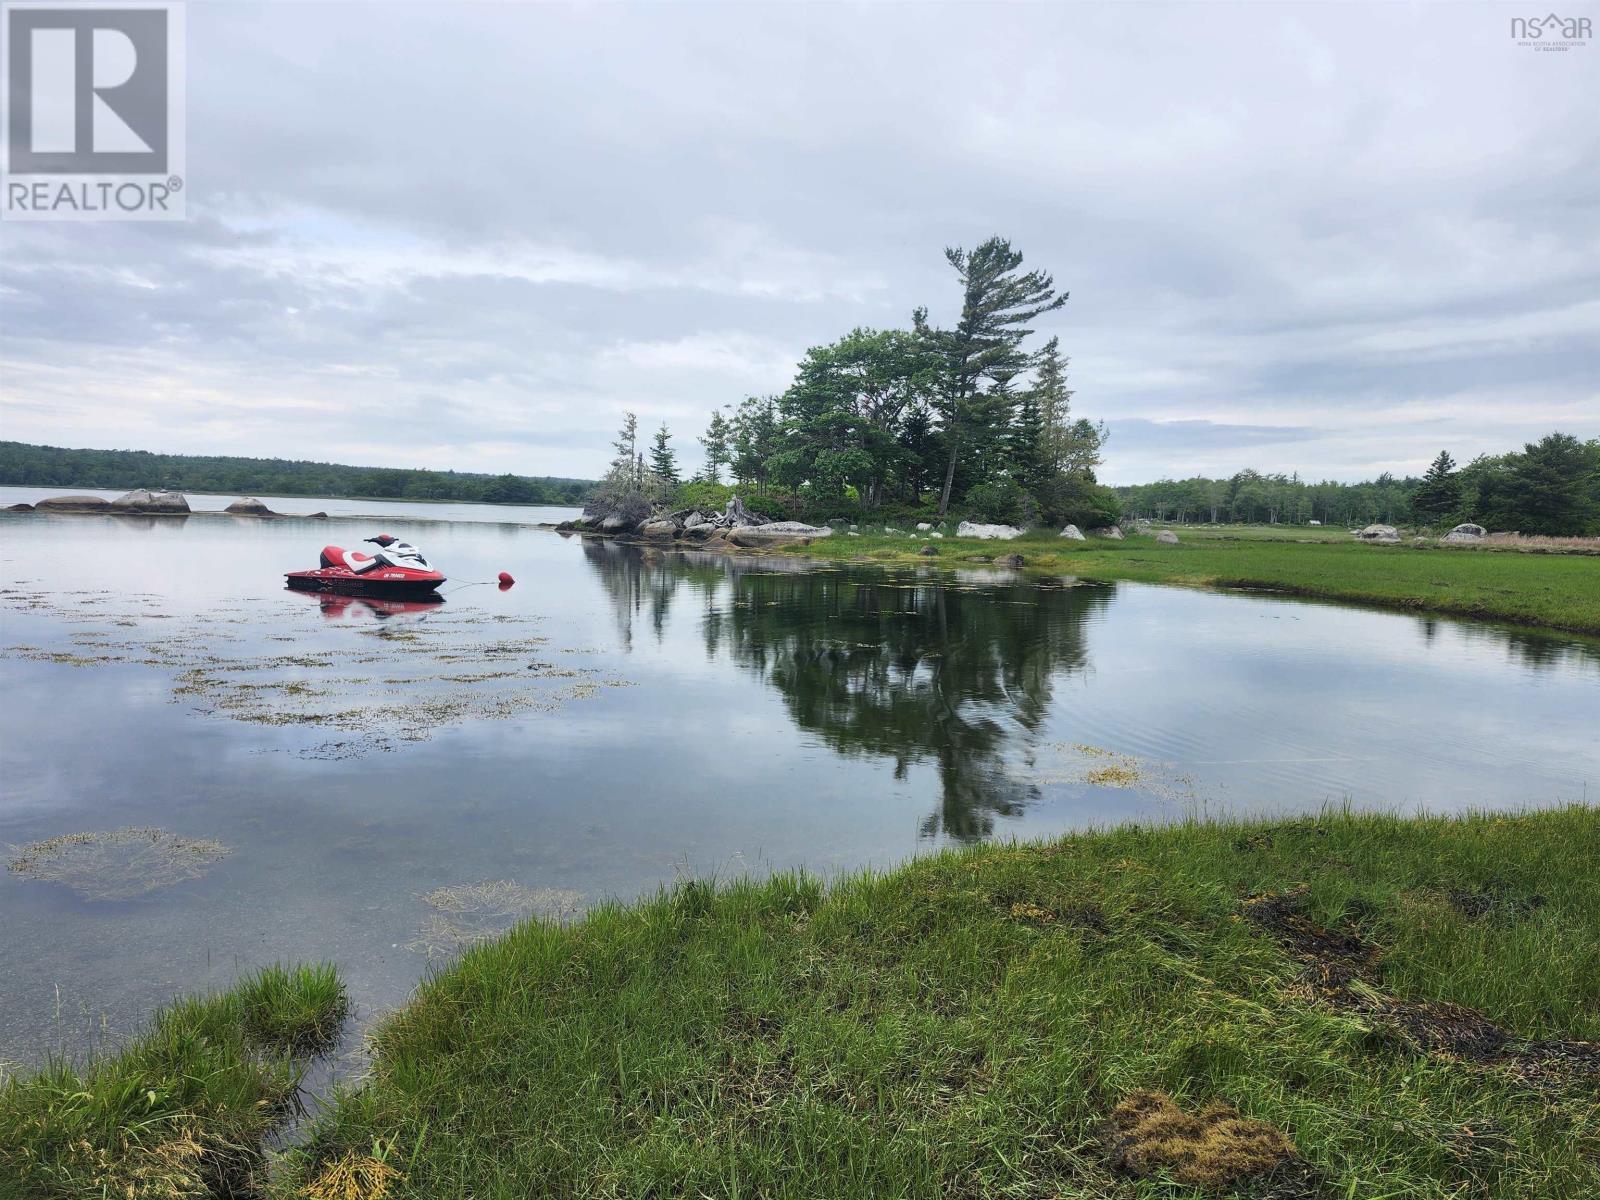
184	1110
1557	591
1105	1015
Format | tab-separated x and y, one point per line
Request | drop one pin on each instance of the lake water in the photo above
623	717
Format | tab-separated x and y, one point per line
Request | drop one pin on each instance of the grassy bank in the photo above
1556	591
182	1111
1343	1007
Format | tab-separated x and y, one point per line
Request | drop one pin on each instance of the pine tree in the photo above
1053	399
715	440
663	459
1439	497
1025	441
997	304
627	446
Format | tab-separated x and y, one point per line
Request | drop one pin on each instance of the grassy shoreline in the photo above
1344	1005
1544	590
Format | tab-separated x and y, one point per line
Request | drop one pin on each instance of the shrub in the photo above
1003	501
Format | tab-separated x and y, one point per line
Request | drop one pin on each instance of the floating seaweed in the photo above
118	864
467	913
398	685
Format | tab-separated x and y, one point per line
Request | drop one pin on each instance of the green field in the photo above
1557	591
1341	1006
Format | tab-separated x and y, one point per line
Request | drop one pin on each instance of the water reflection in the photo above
902	666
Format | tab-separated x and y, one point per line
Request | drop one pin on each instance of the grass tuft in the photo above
184	1110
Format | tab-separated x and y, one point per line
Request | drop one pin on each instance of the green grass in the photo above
1557	591
963	1026
183	1110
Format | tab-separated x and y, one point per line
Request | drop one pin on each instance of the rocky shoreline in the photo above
736	525
147	502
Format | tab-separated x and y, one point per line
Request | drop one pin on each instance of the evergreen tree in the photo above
1053	399
998	301
627	448
715	441
756	430
1553	487
1025	443
663	459
1439	497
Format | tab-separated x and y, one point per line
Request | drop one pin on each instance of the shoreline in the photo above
1397	999
1122	561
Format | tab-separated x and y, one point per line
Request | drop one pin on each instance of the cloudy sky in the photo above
1327	238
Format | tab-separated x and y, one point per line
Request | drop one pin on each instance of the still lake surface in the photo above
623	717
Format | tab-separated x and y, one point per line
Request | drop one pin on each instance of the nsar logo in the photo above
1551	32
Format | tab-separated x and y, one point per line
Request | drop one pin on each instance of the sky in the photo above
1326	238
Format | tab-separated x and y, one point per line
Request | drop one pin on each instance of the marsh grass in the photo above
182	1111
1554	590
968	1025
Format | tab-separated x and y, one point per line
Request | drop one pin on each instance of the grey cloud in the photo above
1316	238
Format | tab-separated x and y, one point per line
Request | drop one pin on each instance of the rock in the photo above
143	500
1009	560
929	551
615	523
891	531
74	504
1313	522
661	527
19	508
317	516
1071	531
924	526
1466	532
983	558
1379	533
852	533
795	527
249	506
700	532
1110	531
759	537
974	529
1167	538
936	534
695	519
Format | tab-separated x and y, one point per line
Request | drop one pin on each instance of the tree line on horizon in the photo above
25	465
1550	487
921	420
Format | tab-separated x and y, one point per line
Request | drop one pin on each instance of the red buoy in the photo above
505	579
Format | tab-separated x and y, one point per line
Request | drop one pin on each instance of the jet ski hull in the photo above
391	583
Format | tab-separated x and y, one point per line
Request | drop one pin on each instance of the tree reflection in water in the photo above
913	667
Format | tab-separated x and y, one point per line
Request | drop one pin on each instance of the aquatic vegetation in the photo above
118	864
1096	766
399	684
180	1113
468	913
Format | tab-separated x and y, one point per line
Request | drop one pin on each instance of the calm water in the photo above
623	717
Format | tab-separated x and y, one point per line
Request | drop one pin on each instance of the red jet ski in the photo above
395	570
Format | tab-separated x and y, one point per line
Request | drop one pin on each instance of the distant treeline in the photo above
1551	486
53	466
